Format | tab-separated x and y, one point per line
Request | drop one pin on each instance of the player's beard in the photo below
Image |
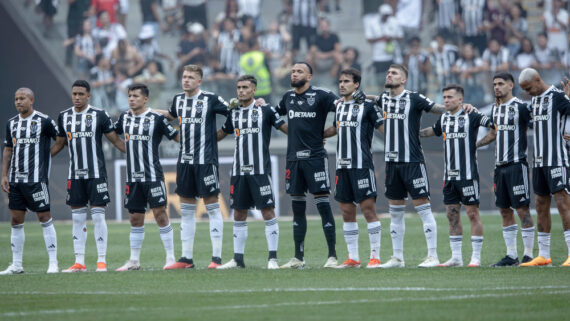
391	86
299	83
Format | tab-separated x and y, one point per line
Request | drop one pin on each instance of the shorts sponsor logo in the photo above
556	172
39	196
344	162
102	188
419	182
541	117
468	191
156	192
453	173
210	180
265	190
392	155
363	183
320	176
304	154
519	190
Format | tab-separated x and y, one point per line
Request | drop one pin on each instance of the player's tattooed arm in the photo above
437	109
427	132
164	113
116	141
6	160
284	128
60	142
329	132
489	138
220	134
454	220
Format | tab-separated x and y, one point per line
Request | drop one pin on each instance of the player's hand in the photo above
234	103
359	96
566	86
566	137
469	108
260	102
5	184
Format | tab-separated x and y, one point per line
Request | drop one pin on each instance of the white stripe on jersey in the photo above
241	143
150	151
407	129
468	148
261	161
37	155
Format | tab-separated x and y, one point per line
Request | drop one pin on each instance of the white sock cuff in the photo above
212	207
374	227
350	226
81	210
528	229
477	239
165	229
137	229
240	224
271	222
543	234
423	208
186	208
322	199
97	210
456	238
18	226
511	228
567	233
47	224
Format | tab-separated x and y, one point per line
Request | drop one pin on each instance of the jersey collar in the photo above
29	117
81	112
195	96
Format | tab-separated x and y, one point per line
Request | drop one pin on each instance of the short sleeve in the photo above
60	127
525	115
329	99
228	127
437	127
281	107
220	106
424	103
119	125
106	123
50	128
375	115
8	138
172	109
276	120
562	103
166	128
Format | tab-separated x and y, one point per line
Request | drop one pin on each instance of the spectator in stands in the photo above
77	12
304	17
48	8
150	15
148	47
122	83
126	59
195	11
110	6
448	18
85	50
247	40
192	48
418	63
495	57
472	23
251	8
517	28
409	17
274	43
102	83
545	55
468	69
443	58
349	60
225	47
108	34
556	26
154	79
526	57
122	12
282	74
382	32
326	53
497	22
173	16
231	11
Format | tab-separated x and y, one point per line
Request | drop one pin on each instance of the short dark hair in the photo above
456	87
249	78
356	52
356	76
142	87
82	83
401	67
415	39
505	76
306	64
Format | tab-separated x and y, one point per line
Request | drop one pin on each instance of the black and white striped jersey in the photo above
304	13
30	140
549	113
495	59
84	133
459	132
143	134
402	115
512	118
197	118
306	115
355	125
473	14
251	126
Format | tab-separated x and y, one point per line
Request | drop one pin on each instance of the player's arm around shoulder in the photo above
112	136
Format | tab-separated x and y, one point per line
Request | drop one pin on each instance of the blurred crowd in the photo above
472	39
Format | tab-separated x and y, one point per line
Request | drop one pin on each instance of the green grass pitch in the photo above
258	294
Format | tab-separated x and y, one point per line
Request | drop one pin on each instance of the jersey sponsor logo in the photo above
76	135
455	135
210	180
397	116
519	190
304	154
136	175
453	173
102	188
25	141
506	127
347	123
265	190
320	176
190	120
468	191
392	155
246	168
363	183
541	117
82	172
156	191
246	131
21	175
134	137
344	162
302	114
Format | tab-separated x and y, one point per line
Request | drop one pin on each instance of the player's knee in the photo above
44	216
268	213
240	215
506	213
136	219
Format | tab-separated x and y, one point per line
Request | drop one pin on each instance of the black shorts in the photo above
139	194
247	191
354	185
548	180
32	196
298	32
464	192
94	191
406	178
511	185
311	175
197	180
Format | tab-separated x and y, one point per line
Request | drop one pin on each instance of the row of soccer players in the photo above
26	163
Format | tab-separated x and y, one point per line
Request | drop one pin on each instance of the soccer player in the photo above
307	166
405	165
251	173
143	130
25	173
81	127
355	182
460	175
512	117
550	108
197	169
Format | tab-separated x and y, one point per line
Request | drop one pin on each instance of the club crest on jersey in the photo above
88	121
199	106
511	113
146	124
355	111
33	127
402	103
311	100
254	115
461	121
